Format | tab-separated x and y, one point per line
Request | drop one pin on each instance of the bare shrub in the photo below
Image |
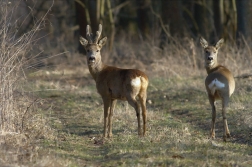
21	125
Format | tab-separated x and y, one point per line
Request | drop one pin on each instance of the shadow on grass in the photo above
192	106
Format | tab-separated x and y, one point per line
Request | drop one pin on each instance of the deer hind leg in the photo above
132	101
142	99
226	132
110	117
212	103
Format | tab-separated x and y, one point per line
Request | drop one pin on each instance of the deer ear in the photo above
83	41
102	41
219	43
203	42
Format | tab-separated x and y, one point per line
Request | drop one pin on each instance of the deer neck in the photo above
210	68
95	69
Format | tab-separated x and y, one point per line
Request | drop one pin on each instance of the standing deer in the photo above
219	83
114	83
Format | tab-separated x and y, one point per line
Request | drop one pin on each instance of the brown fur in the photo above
114	84
225	77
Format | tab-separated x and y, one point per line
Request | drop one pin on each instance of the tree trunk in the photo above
82	21
142	17
218	18
243	17
172	16
94	12
204	19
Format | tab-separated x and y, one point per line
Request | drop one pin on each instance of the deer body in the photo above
219	84
120	81
114	83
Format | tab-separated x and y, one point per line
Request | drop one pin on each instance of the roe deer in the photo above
219	83
114	83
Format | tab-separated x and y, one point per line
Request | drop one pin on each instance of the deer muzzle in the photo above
91	59
209	58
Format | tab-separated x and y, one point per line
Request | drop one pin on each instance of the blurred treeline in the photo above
139	19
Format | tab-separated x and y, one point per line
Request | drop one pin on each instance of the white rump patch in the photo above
136	81
215	84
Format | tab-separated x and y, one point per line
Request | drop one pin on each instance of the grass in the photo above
179	118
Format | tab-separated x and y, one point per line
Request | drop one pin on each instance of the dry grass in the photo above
22	126
179	113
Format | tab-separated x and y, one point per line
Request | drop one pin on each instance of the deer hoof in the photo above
225	138
228	135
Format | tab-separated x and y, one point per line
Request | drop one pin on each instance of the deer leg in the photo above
226	132
112	107
132	101
211	100
106	113
142	99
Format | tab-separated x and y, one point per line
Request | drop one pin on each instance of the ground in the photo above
62	113
178	126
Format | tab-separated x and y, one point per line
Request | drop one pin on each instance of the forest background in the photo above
140	20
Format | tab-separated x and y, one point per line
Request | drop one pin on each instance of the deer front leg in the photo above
112	107
106	114
211	100
226	133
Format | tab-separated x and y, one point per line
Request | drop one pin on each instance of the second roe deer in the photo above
219	83
114	83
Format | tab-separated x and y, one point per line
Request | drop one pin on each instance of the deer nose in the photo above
91	58
210	58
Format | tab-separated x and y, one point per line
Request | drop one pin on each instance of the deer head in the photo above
211	52
93	45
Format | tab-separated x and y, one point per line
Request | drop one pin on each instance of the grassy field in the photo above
59	116
178	126
52	116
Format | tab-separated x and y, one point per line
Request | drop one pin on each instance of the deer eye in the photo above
97	51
